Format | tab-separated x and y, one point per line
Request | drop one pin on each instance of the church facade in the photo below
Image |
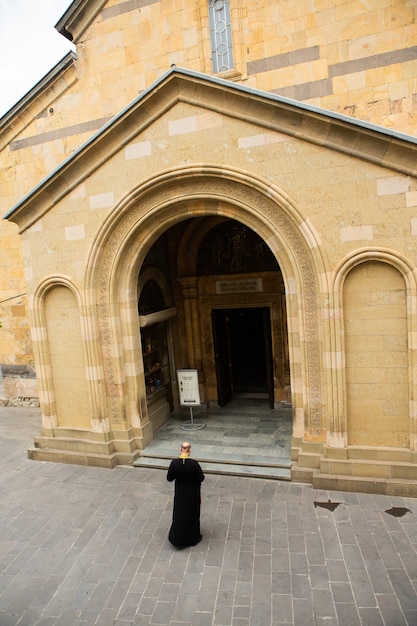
228	189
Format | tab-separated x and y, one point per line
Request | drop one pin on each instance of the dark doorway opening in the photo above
243	353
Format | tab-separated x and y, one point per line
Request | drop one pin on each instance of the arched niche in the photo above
59	339
375	292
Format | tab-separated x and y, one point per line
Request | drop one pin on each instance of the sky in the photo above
30	45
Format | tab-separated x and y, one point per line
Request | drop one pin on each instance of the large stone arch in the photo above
141	216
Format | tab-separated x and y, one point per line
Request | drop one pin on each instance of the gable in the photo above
214	99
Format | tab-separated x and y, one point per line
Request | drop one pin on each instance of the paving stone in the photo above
300	586
282	608
337	570
391	610
199	618
82	546
379	578
303	611
69	617
347	613
163	612
370	616
319	577
362	589
403	588
353	557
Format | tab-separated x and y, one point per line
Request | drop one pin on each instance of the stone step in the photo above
364	484
275	472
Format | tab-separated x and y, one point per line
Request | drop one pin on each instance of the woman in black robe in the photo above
188	476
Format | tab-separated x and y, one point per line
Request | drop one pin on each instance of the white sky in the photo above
30	45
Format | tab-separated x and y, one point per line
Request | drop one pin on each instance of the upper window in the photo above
221	35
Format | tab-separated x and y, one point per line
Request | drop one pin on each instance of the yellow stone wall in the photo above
16	360
376	357
331	188
277	47
321	211
344	56
13	296
344	206
66	359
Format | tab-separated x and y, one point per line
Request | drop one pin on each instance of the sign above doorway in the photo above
239	286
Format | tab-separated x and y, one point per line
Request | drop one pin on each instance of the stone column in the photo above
189	287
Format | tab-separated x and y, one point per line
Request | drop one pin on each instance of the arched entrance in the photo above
228	295
186	203
228	298
169	202
178	209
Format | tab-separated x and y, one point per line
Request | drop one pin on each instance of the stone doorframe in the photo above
137	221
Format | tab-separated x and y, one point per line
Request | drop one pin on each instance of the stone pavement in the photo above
244	438
83	545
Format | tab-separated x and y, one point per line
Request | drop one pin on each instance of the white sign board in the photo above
188	387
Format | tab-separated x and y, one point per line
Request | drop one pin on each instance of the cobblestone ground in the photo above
83	545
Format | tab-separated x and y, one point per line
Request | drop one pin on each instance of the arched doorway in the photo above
174	204
243	354
228	294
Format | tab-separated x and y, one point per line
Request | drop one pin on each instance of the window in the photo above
221	35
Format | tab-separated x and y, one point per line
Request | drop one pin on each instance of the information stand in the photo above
189	396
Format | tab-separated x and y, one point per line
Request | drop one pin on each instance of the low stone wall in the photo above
18	386
20	402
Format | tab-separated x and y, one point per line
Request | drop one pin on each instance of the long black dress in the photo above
185	527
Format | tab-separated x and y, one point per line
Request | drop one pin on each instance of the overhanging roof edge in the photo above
265	95
40	86
85	145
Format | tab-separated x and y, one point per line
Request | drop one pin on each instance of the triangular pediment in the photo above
267	111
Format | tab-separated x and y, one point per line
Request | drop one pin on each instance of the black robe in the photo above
185	527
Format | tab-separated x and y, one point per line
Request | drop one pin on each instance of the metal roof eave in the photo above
40	86
267	95
295	104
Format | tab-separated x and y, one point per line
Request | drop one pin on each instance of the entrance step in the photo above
233	468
